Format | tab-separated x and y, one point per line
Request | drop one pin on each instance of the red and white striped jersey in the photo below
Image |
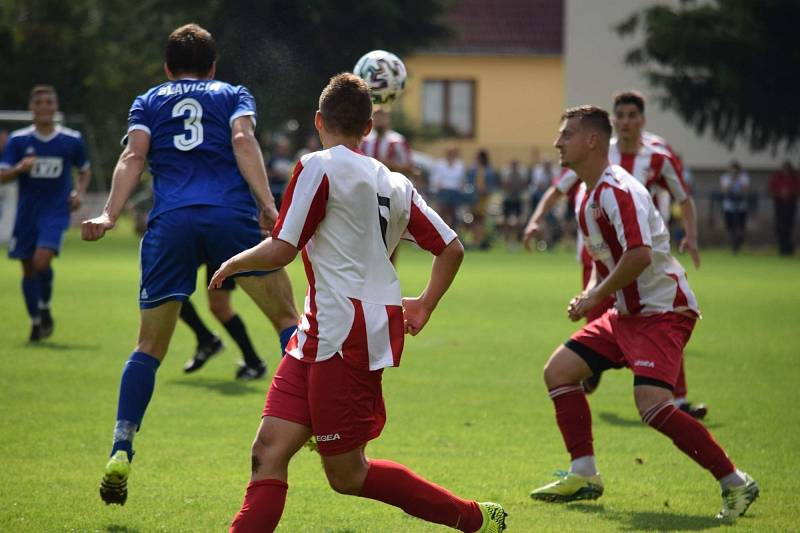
618	215
347	212
653	165
391	148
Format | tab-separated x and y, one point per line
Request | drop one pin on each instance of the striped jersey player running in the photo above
653	318
649	159
345	213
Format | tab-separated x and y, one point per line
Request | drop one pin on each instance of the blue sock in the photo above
46	280
135	391
32	289
285	336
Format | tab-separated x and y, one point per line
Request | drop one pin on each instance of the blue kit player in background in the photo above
41	158
211	201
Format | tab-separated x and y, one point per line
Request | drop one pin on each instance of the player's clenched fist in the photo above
94	228
415	315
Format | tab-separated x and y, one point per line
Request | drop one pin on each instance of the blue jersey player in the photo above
211	201
41	158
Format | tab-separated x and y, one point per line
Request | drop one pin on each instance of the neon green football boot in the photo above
114	486
570	487
737	500
494	517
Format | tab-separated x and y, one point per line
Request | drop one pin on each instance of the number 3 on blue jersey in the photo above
193	134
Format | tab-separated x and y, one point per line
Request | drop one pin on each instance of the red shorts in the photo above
342	405
651	345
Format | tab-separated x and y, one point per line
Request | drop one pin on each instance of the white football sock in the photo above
584	466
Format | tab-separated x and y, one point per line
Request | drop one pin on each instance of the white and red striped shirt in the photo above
391	148
618	215
347	212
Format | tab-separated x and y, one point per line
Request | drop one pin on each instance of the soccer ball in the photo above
384	73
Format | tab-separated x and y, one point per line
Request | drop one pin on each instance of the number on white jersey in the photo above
383	207
193	136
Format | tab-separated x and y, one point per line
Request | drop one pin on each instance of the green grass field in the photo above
467	408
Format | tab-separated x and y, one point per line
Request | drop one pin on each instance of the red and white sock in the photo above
690	436
262	507
393	483
574	419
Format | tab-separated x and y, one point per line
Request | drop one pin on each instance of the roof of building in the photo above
505	27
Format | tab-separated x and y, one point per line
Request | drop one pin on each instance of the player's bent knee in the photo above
564	367
348	483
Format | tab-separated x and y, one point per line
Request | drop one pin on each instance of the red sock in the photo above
262	507
396	485
574	419
691	437
680	385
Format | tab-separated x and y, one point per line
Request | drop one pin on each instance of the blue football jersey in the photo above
47	186
191	155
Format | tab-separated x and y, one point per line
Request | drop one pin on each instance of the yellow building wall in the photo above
518	101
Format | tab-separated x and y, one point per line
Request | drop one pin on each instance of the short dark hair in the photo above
346	104
629	96
591	116
190	50
42	89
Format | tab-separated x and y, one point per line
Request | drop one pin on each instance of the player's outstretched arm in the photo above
546	204
689	221
269	254
417	311
124	180
630	266
251	164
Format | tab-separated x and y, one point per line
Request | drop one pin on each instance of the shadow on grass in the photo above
58	346
226	387
616	420
648	520
114	528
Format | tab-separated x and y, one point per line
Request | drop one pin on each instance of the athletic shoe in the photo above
46	325
736	500
591	383
695	410
494	517
203	353
114	486
36	333
570	487
250	373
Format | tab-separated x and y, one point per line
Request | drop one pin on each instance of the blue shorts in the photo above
179	241
36	229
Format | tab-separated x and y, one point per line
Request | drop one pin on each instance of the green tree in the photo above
285	51
100	54
727	65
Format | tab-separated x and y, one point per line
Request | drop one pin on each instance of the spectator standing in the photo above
735	184
513	184
784	187
482	180
447	180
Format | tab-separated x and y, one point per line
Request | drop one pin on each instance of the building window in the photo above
450	105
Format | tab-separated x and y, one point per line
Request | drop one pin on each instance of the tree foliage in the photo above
101	53
728	65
